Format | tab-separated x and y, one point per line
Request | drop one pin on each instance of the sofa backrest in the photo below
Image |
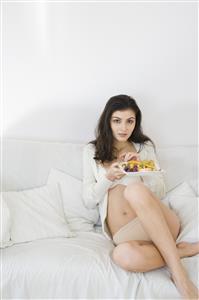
26	164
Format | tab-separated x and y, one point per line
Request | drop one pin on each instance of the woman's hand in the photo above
115	171
129	156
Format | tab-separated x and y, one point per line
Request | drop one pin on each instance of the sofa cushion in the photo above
5	225
36	213
79	217
184	203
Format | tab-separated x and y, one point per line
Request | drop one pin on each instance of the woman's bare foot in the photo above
186	288
186	249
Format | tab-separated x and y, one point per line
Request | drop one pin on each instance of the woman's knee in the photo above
137	193
128	256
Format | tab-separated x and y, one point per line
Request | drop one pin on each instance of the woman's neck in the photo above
120	146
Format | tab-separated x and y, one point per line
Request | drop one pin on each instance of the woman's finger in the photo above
132	156
120	173
128	156
117	166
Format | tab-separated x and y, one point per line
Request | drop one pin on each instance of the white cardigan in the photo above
96	185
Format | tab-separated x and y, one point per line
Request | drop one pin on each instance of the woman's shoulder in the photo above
149	148
144	147
148	144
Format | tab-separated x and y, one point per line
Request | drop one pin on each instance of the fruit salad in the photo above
138	165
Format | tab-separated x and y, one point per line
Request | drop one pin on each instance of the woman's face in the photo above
122	124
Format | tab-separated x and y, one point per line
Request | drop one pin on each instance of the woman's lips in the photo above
122	134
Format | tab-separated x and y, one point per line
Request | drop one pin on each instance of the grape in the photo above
135	168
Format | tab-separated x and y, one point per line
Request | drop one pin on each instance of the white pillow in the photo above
5	225
183	201
37	213
79	217
194	183
183	188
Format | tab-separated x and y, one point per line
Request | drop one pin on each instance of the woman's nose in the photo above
123	127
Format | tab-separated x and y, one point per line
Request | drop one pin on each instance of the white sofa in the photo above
79	266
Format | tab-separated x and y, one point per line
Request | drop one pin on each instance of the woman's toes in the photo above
189	249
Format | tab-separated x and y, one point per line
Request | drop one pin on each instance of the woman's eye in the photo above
118	121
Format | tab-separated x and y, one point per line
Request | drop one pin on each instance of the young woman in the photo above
142	227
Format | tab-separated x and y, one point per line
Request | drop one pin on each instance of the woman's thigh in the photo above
171	218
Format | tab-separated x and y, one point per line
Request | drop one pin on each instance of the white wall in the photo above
63	61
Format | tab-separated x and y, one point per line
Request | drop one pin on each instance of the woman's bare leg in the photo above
143	256
152	218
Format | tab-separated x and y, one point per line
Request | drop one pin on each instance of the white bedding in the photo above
81	267
66	267
61	268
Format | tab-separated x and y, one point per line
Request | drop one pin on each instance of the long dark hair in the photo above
104	148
